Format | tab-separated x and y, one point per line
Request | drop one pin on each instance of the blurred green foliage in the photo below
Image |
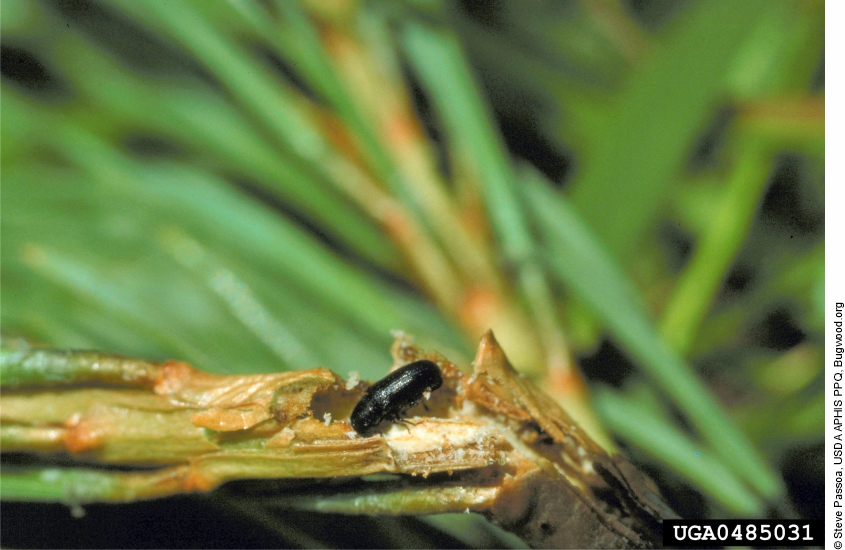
233	184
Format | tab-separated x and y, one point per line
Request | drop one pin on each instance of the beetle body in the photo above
391	396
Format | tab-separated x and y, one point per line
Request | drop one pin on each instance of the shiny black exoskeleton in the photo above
391	396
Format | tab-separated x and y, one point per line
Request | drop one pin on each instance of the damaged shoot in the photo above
486	442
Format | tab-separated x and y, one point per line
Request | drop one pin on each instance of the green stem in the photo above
77	486
38	367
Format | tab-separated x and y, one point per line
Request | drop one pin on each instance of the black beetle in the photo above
391	396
